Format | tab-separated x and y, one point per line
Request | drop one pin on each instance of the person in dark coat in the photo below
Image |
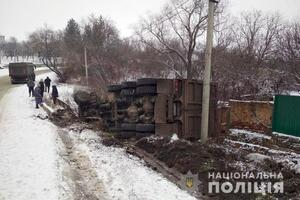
54	94
30	85
42	87
38	97
47	84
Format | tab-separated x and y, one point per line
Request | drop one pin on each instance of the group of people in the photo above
37	91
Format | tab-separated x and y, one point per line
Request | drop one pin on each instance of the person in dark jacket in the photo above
30	85
47	84
42	87
38	97
54	94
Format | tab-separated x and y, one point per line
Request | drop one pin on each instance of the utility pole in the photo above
207	72
86	68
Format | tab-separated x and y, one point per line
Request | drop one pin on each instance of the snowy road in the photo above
28	164
5	80
35	157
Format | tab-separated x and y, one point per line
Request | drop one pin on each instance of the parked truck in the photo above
21	72
151	106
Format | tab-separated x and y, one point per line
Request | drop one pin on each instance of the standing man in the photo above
38	96
42	87
47	84
54	94
30	85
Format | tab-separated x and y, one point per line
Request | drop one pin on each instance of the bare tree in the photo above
11	48
47	43
289	50
256	35
175	33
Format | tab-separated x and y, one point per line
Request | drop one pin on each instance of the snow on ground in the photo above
28	150
287	136
257	157
291	93
249	134
126	177
297	167
174	138
3	72
65	91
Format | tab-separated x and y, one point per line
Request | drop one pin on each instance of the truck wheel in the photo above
141	90
147	81
121	103
126	134
128	92
104	107
140	135
114	88
110	124
144	128
128	84
128	127
114	129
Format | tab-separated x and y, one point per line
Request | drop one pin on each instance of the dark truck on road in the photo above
21	72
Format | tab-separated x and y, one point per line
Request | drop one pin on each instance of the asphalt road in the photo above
5	84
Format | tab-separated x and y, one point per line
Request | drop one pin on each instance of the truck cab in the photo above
21	72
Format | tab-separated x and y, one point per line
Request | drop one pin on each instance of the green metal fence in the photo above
286	115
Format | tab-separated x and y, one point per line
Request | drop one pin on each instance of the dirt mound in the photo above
63	118
222	155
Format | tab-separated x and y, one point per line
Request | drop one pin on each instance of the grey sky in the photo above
20	17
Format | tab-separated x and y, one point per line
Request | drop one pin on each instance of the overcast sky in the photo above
20	17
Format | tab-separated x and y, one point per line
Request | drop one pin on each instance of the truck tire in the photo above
126	134
114	129
128	127
128	92
146	81
121	104
140	135
82	97
148	89
114	88
145	128
128	84
104	107
110	124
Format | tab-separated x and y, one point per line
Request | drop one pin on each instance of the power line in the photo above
171	11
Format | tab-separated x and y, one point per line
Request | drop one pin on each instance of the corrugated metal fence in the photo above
286	115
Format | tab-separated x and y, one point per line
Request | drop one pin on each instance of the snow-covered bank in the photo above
28	150
3	72
126	177
66	91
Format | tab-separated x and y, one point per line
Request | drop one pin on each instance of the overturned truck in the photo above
151	106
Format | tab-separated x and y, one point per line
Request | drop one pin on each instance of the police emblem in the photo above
190	182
